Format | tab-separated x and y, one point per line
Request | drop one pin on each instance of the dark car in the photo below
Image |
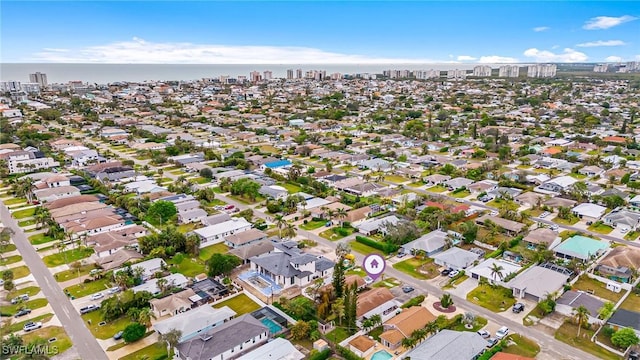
633	355
407	289
22	312
89	308
445	272
518	307
117	336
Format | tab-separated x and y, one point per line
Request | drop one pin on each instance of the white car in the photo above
97	296
114	290
494	213
368	280
544	215
454	273
460	200
30	326
502	332
624	230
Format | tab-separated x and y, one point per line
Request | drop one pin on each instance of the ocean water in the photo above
105	73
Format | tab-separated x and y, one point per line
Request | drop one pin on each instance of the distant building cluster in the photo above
601	68
509	71
542	70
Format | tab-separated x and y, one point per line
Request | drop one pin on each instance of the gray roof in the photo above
625	318
216	219
539	281
622	216
449	344
251	250
222	338
429	242
193	321
457	257
577	298
280	263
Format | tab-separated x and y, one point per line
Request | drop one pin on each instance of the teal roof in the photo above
581	247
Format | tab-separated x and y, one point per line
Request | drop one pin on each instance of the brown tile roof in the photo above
507	356
70	201
371	299
408	321
358	214
541	236
362	343
244	237
624	256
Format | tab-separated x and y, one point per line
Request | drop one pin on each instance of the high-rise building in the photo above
336	76
255	76
299	74
30	88
10	86
482	71
289	74
601	68
509	71
427	74
38	78
456	74
267	75
542	70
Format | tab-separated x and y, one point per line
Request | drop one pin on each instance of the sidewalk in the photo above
149	340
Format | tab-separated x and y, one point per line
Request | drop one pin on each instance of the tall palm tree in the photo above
338	309
496	271
289	231
341	213
581	313
280	223
330	214
145	315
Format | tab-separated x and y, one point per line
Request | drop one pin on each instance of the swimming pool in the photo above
381	355
274	328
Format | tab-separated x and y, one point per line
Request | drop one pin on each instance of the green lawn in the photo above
67	256
362	248
356	271
524	346
572	220
26	223
313	224
21	214
416	184
632	235
422	269
291	188
241	304
478	324
83	289
29	304
10	260
157	351
567	334
62	343
185	228
337	335
461	194
13	201
187	267
246	200
105	331
387	282
41	238
31	291
596	287
600	228
200	180
494	298
395	179
8	248
632	302
207	252
437	189
332	234
20	271
17	326
73	273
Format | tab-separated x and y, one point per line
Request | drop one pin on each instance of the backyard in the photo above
67	256
207	252
423	269
291	188
186	266
241	304
494	298
567	334
596	288
337	335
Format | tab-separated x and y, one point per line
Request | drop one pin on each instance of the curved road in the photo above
84	342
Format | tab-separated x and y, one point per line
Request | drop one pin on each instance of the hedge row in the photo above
321	355
385	247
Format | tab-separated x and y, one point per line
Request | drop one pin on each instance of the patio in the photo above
261	282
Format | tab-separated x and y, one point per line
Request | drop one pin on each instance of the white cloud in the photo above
466	58
568	55
606	22
541	28
494	59
602	43
613	59
139	51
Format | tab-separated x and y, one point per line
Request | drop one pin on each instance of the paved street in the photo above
84	342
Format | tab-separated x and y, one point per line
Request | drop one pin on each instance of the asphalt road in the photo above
84	342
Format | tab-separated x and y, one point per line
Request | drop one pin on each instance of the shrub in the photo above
347	354
416	301
341	231
134	332
320	355
385	247
608	331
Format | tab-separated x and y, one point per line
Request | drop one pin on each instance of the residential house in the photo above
589	211
484	270
118	258
195	322
216	219
109	242
173	304
482	186
530	199
624	218
245	238
277	349
55	193
449	344
618	263
227	341
557	185
377	301
403	325
214	234
173	281
288	266
373	226
192	216
256	249
279	164
511	227
362	346
430	243
356	216
458	183
541	237
556	202
149	268
571	300
625	318
455	258
274	192
591	171
436	179
581	248
537	282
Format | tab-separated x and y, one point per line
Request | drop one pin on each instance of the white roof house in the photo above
173	281
483	270
537	282
196	321
214	234
278	349
373	225
149	267
430	243
589	210
456	258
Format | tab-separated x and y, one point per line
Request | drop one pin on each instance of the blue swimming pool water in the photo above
381	355
273	327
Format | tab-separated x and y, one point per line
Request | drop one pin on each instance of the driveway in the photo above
461	290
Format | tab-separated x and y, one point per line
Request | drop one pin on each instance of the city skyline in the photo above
320	33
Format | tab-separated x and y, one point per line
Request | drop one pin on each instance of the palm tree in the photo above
580	315
496	271
408	343
338	309
330	214
280	223
144	316
289	231
162	284
341	213
172	338
5	239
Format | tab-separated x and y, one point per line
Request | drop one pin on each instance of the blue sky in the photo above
319	32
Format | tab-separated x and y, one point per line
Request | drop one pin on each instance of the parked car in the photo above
407	289
113	290
484	333
454	273
517	308
97	296
633	355
400	255
491	342
30	326
20	298
118	335
544	215
624	230
460	200
368	280
89	308
494	213
502	332
484	199
554	227
589	222
445	272
22	312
